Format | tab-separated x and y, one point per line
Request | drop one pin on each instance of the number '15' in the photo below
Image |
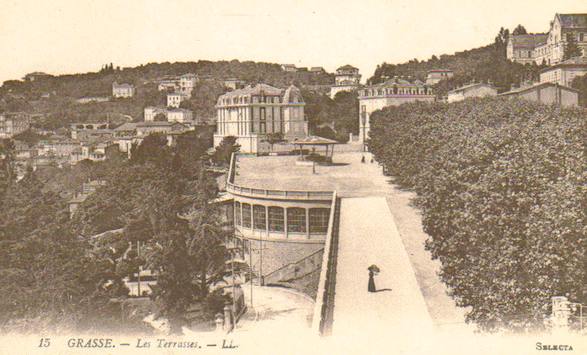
44	343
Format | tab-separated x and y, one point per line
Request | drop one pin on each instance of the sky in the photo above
72	36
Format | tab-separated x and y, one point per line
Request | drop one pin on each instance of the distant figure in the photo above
371	287
373	270
363	159
372	160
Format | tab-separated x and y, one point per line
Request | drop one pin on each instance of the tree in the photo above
273	138
519	30
478	168
160	117
572	49
224	150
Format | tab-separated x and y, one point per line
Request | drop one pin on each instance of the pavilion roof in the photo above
314	140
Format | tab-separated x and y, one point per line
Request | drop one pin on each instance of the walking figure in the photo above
373	270
363	159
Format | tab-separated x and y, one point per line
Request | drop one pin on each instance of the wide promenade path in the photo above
368	235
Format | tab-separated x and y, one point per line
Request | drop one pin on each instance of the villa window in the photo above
246	215
296	220
319	220
276	219
237	213
259	216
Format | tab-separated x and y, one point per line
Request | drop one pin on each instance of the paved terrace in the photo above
349	177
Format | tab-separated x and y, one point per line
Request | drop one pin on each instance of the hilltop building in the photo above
392	92
549	48
471	90
13	123
250	114
36	76
564	72
436	75
347	78
289	68
122	90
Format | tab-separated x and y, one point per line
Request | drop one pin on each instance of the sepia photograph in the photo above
293	177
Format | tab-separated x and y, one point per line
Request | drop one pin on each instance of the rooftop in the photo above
529	40
470	86
348	176
573	20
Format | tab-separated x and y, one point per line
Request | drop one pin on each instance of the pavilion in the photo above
313	142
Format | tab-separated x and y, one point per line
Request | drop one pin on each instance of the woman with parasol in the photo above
373	270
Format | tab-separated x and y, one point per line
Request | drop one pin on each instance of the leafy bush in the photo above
501	187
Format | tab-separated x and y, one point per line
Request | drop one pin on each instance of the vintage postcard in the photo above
293	177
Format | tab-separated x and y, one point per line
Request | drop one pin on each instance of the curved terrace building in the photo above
252	113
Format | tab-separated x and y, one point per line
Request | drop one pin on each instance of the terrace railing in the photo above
270	193
324	307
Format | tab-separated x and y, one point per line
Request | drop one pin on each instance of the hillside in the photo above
55	97
486	64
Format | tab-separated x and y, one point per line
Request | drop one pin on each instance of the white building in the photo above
187	82
168	83
289	68
347	78
179	115
250	114
563	73
471	90
436	75
175	98
151	112
392	92
122	90
549	48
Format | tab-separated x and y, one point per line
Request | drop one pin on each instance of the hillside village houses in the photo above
174	99
392	92
564	72
122	90
549	48
250	114
347	78
434	76
170	114
13	123
471	90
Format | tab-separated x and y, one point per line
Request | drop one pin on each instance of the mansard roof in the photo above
258	89
529	41
572	20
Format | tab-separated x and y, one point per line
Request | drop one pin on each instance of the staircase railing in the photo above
296	269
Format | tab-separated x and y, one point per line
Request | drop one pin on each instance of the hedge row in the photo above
501	185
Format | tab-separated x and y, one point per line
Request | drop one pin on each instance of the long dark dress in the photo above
371	287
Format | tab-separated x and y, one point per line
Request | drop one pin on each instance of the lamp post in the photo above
363	121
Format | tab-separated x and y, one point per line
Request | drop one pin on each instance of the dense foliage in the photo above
332	118
501	185
63	273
